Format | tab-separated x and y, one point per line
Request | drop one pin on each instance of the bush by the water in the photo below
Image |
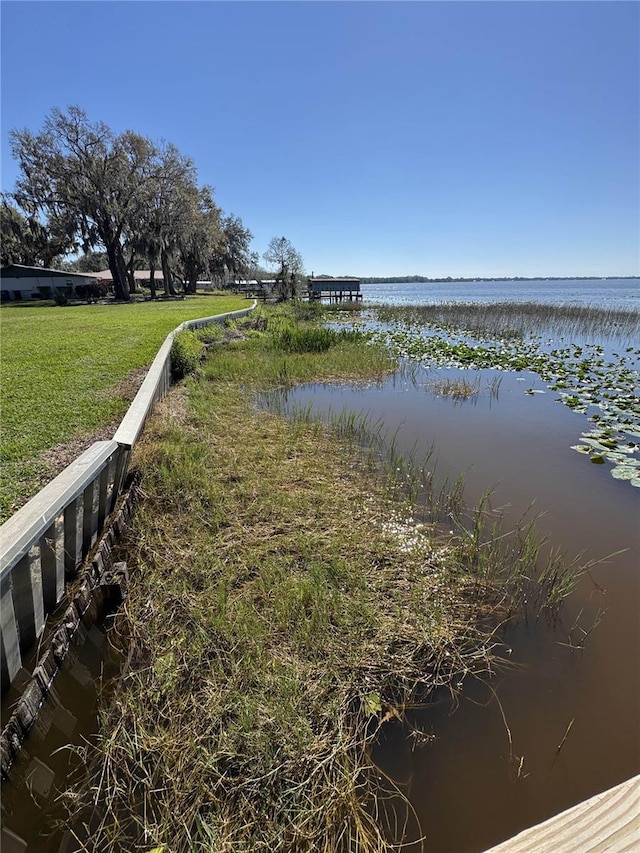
312	339
186	354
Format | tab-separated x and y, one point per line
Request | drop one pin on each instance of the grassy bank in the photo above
68	372
284	606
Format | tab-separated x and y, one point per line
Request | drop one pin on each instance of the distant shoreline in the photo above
417	279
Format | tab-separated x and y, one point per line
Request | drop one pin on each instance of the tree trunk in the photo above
118	272
152	282
169	289
130	276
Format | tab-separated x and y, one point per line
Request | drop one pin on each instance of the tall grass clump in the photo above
187	352
285	604
456	389
274	349
296	339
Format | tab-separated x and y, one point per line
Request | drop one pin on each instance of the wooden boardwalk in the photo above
606	823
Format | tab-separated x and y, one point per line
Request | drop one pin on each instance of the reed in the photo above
455	389
589	355
519	319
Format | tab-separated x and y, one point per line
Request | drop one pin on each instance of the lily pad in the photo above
595	445
623	473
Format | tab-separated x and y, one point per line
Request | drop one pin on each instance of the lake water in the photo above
469	787
608	293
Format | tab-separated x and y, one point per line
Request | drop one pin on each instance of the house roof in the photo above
139	275
21	271
334	280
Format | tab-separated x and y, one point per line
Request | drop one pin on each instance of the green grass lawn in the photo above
60	370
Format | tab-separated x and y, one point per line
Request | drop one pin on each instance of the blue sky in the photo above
440	138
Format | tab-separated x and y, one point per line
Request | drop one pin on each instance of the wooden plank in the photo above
37	591
606	822
11	657
22	596
73	523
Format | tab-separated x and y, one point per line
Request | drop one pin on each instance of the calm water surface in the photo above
464	784
610	293
31	807
469	787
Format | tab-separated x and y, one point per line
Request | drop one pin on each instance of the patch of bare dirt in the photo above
57	458
173	406
128	387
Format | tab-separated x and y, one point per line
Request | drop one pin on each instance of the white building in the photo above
18	282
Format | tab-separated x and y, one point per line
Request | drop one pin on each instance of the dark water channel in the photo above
470	788
31	806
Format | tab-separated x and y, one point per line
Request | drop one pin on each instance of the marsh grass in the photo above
519	319
591	360
314	339
285	604
187	351
456	389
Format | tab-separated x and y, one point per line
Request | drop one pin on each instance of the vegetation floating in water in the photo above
602	382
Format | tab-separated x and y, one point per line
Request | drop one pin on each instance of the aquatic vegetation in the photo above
301	340
456	389
461	389
600	380
517	319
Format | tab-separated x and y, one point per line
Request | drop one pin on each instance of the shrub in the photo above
294	339
186	353
60	297
211	334
91	292
307	310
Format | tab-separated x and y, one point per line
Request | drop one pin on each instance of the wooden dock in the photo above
335	289
606	822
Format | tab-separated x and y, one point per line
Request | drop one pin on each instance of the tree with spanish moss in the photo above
81	173
28	241
281	253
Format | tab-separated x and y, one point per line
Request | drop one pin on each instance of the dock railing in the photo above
45	542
